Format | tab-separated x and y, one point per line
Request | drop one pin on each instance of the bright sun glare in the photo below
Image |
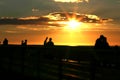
73	24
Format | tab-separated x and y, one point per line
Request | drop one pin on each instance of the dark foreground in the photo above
36	62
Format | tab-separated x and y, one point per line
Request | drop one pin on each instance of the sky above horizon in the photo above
20	8
109	9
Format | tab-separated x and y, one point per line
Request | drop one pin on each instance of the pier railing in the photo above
59	62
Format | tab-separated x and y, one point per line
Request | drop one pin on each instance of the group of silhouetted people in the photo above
5	42
48	43
101	43
24	42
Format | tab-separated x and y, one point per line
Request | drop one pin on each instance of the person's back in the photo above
25	42
101	43
5	42
50	43
97	44
104	43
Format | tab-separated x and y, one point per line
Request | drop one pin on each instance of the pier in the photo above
36	62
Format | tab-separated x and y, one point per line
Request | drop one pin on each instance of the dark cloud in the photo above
19	8
15	7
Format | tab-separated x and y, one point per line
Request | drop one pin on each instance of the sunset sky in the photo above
86	34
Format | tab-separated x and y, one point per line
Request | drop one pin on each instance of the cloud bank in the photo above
86	18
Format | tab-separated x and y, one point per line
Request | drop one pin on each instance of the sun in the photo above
73	24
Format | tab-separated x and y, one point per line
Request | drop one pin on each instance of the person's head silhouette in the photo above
50	39
101	36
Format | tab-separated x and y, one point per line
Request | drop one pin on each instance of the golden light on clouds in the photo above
9	31
72	1
30	17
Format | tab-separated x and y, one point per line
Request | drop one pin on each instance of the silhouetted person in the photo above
5	41
50	42
24	43
101	43
45	42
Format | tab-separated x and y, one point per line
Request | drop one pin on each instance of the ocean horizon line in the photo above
58	45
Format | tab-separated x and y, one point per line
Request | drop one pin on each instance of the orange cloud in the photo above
9	31
30	17
31	28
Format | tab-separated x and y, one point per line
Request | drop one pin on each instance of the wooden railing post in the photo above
23	52
92	68
60	65
10	56
38	63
